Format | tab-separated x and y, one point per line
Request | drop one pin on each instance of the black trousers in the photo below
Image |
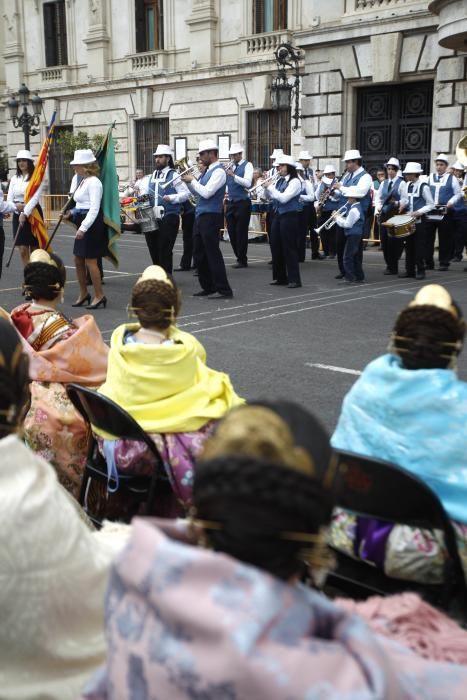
460	232
285	242
340	246
415	249
188	221
238	219
207	254
303	229
445	229
329	236
2	248
392	247
310	223
161	242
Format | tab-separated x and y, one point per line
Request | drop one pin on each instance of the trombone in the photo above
186	170
271	180
331	221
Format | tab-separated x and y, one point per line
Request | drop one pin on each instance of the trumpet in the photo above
229	165
187	170
331	221
271	180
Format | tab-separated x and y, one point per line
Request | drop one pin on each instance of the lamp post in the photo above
283	92
25	120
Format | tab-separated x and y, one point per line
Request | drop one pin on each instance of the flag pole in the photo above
60	219
18	230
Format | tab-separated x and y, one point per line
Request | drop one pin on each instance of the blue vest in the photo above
330	204
386	196
292	205
414	193
351	180
169	207
445	191
301	205
357	228
215	204
237	192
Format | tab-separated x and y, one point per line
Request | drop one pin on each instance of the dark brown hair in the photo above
43	281
155	303
30	167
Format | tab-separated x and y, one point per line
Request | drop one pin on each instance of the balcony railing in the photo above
370	4
144	62
263	44
55	75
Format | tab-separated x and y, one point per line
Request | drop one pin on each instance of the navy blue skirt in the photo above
94	244
25	236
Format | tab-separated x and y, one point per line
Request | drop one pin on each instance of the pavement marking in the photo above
333	368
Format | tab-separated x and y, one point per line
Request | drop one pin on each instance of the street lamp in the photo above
283	92
25	120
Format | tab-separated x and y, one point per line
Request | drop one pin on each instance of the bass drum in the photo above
400	226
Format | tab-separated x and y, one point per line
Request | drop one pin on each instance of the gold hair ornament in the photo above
42	256
435	295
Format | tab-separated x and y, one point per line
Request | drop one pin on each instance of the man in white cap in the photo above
352	222
166	198
239	179
326	203
309	213
387	205
355	176
415	197
460	215
209	219
446	192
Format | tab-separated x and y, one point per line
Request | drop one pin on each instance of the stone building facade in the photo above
168	70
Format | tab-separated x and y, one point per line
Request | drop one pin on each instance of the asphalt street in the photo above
305	344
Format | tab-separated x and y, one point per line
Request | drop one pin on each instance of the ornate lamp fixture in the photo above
284	93
25	120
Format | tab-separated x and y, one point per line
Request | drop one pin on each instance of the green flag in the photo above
105	156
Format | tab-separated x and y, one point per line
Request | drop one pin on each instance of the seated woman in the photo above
53	567
158	374
61	351
410	408
214	608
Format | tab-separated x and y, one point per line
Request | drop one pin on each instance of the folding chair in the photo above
141	491
376	489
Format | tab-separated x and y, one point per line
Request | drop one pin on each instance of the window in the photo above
56	53
149	132
149	25
269	15
267	130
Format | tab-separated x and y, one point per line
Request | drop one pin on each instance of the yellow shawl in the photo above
166	388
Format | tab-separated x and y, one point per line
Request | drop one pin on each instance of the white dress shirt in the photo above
407	199
159	177
217	180
7	207
364	184
309	194
16	190
379	194
87	195
443	181
294	187
349	220
247	178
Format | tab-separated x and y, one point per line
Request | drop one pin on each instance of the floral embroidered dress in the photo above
185	623
61	352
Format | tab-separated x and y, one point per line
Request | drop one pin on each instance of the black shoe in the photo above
83	301
98	304
332	257
182	269
293	285
443	268
420	276
317	256
202	293
219	295
238	265
390	272
278	284
404	275
429	266
457	258
269	262
340	276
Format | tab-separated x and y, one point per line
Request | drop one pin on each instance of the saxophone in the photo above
325	196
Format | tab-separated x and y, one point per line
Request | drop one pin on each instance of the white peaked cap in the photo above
163	150
458	165
235	148
276	153
299	166
207	145
83	156
352	155
304	155
329	169
286	160
394	162
443	157
413	168
24	155
353	191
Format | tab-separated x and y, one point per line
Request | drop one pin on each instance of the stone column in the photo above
97	41
13	53
203	32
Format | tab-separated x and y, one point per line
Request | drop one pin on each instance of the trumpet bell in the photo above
461	151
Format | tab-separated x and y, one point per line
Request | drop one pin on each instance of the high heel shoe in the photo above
98	304
83	301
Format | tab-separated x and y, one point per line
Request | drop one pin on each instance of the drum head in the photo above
399	220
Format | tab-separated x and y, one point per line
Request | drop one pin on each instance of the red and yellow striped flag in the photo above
38	227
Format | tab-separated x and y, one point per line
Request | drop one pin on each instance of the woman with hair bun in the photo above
61	351
158	374
213	606
26	241
410	408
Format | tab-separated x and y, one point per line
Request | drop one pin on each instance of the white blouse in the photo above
16	190
87	195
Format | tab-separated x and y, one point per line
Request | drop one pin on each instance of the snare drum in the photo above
437	214
400	226
146	218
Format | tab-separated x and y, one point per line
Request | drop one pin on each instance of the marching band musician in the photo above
446	192
387	204
352	222
285	234
460	216
355	176
239	179
307	198
167	203
326	202
415	196
304	157
272	204
209	219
